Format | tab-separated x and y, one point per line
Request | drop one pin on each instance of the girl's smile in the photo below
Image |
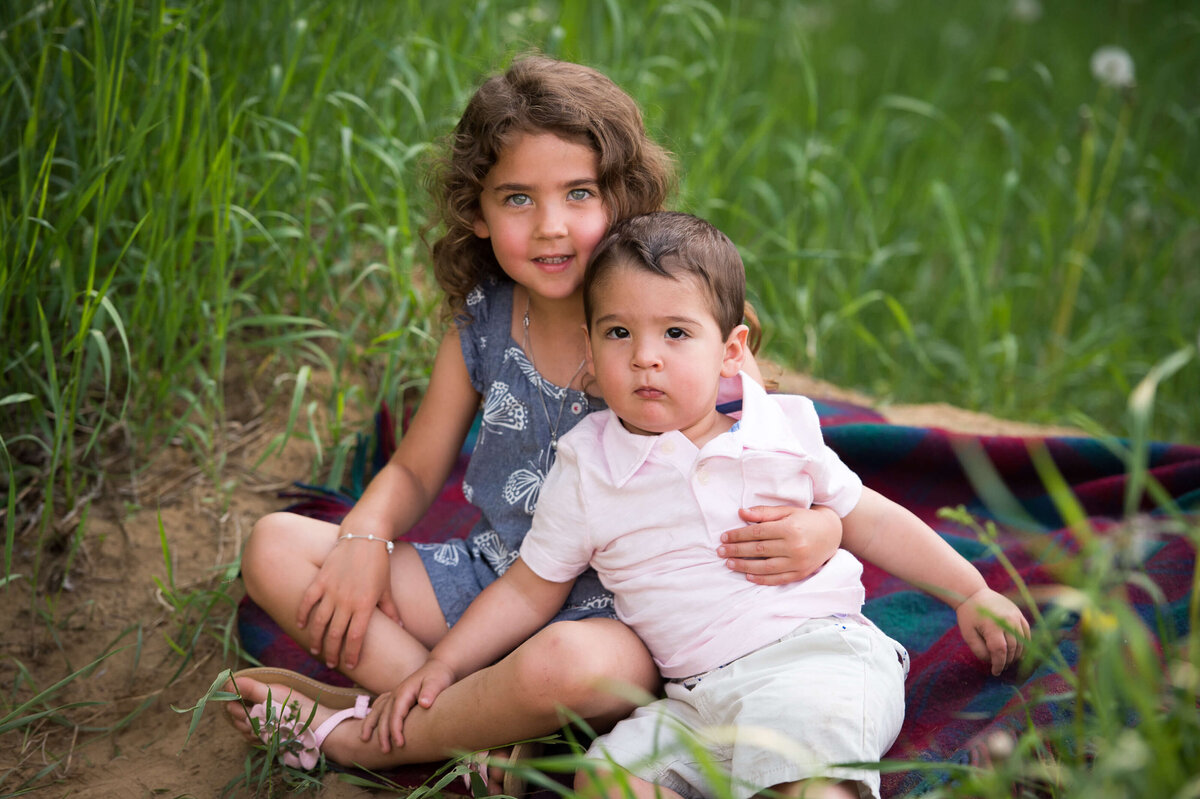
542	210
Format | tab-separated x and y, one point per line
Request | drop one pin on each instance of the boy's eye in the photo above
676	333
518	200
616	332
579	194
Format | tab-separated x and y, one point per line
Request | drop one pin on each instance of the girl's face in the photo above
542	210
656	351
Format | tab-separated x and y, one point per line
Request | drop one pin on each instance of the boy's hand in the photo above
994	628
388	711
781	544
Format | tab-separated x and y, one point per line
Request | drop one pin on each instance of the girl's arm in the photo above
893	538
780	543
355	576
504	615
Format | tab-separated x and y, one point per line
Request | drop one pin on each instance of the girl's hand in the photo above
994	628
388	711
780	543
354	580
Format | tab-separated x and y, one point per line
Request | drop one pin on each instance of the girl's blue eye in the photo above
676	333
518	200
579	194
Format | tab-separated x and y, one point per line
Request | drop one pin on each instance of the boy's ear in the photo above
735	351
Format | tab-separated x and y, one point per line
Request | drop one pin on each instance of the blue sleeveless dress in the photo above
509	463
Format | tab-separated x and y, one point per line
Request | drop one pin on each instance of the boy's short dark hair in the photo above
671	244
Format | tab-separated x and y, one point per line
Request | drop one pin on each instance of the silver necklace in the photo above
528	346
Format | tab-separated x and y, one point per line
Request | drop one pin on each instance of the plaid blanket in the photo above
953	702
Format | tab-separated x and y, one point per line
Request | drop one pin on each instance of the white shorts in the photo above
830	692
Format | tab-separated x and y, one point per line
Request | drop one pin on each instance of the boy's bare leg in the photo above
282	558
566	664
604	785
818	789
643	789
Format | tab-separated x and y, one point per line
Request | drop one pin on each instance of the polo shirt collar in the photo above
624	451
763	426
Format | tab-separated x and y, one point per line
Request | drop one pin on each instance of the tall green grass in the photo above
943	201
934	204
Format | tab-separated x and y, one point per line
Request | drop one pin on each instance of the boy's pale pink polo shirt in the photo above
648	512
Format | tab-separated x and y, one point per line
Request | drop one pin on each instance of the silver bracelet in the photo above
390	546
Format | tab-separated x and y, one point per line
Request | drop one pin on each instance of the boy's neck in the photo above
700	433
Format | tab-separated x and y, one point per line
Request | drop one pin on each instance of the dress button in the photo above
668	446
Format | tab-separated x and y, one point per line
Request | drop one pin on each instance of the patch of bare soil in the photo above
114	603
938	414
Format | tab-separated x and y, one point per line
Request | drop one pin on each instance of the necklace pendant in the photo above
554	444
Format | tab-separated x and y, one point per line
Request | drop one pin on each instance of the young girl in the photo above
544	159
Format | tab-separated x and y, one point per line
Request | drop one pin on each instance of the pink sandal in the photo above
300	746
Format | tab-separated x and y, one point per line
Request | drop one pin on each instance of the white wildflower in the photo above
1028	11
1113	66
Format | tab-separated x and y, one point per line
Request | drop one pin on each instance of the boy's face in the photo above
657	353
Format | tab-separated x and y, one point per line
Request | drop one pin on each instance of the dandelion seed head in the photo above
1113	66
1027	11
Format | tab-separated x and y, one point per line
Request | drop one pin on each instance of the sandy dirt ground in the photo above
111	602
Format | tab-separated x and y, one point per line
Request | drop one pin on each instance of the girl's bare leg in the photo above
283	556
567	664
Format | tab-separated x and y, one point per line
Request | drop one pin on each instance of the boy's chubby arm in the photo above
504	615
894	539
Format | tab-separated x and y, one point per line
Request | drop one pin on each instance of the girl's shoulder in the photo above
485	331
487	306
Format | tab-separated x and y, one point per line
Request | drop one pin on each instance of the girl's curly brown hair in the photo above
538	94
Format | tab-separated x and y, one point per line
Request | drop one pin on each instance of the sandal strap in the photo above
362	704
302	747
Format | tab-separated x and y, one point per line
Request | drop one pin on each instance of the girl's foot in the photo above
298	695
276	693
